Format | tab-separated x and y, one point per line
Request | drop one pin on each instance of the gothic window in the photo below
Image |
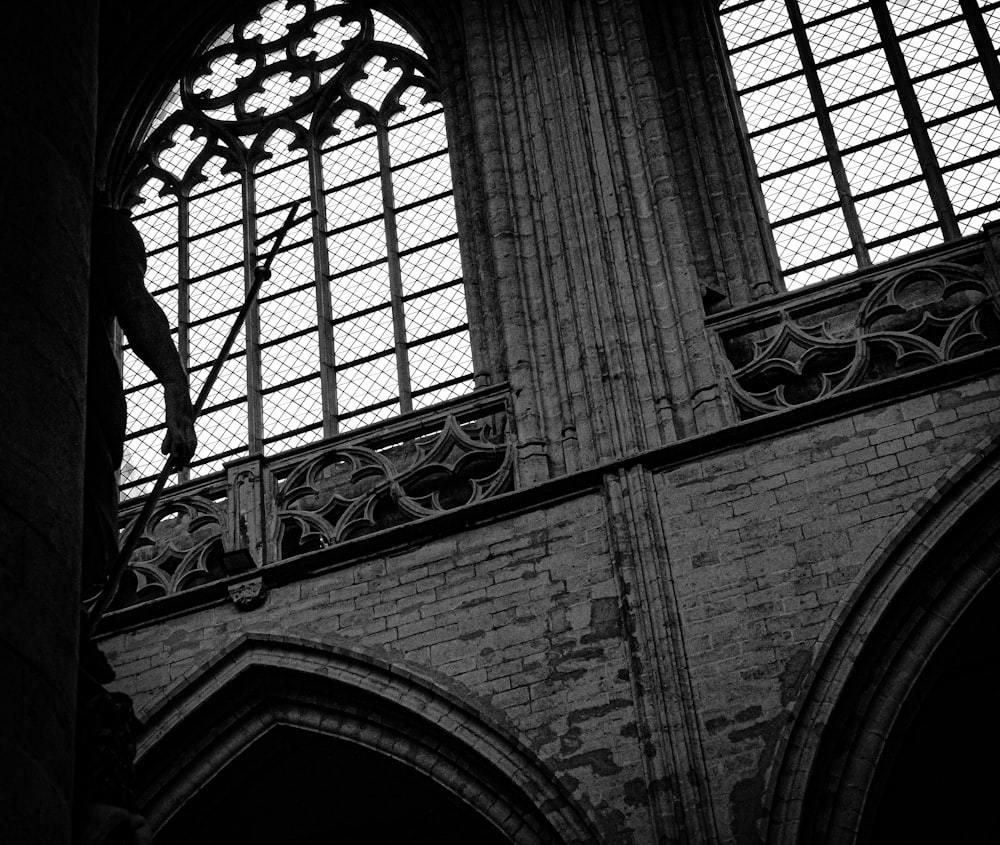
874	125
364	314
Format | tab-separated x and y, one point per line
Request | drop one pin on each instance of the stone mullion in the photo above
680	805
985	47
915	121
183	293
395	273
255	407
324	306
834	156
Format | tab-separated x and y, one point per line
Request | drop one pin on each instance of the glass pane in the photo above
293	407
368	334
751	23
881	165
812	238
895	211
431	266
799	192
440	360
368	383
434	312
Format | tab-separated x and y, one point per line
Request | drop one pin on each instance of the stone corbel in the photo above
247	595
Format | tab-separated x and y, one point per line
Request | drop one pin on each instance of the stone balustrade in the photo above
897	318
267	509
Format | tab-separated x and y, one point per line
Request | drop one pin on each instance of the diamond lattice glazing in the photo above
367	334
895	211
441	359
778	103
908	16
881	150
966	136
832	38
812	238
292	407
788	146
751	23
765	61
360	290
430	266
288	360
427	222
434	312
881	165
368	383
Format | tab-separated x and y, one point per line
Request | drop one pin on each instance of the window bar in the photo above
984	46
395	272
829	137
324	304
915	121
183	293
255	404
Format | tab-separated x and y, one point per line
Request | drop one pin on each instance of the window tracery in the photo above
874	125
364	314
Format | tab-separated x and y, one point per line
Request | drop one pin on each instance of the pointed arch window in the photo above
874	125
364	315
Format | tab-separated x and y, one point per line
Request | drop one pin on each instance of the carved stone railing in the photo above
799	347
267	509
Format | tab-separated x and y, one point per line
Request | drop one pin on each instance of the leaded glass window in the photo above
364	314
874	125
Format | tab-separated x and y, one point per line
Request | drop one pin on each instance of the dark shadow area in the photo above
293	787
936	783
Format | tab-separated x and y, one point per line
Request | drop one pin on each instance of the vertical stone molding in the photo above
727	229
47	127
598	287
679	803
252	524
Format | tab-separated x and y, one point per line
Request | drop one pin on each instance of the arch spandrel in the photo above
259	681
916	584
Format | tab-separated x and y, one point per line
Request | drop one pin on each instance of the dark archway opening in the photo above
937	780
292	786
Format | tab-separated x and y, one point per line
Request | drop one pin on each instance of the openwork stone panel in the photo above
348	492
180	548
340	490
812	345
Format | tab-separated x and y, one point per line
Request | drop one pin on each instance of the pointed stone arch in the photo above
263	681
914	588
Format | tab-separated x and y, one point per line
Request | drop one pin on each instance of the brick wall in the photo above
766	540
763	541
523	614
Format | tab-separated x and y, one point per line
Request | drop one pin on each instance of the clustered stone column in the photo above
47	128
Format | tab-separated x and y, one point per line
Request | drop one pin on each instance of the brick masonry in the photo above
764	543
523	614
